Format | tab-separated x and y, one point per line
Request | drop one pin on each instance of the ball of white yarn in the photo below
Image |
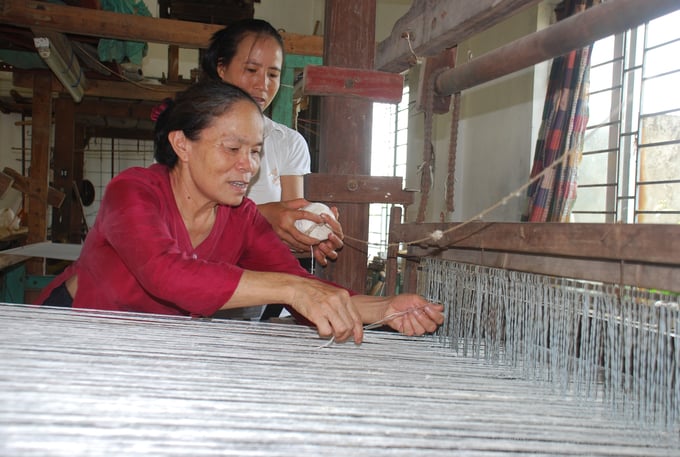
437	235
311	228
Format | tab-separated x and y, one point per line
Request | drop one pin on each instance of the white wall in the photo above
293	16
497	131
307	12
10	129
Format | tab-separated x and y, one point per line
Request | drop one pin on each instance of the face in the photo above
222	161
255	68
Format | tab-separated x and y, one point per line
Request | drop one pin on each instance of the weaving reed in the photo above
591	340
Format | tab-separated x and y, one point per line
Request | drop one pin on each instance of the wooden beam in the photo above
23	184
642	243
651	276
377	86
129	110
6	181
570	33
36	219
109	24
108	89
356	189
110	108
62	166
435	25
55	48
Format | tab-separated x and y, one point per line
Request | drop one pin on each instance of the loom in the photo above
79	382
550	347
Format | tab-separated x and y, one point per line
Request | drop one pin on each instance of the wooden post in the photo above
40	166
346	125
173	63
392	262
76	223
64	142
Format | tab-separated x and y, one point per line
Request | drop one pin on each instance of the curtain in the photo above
565	115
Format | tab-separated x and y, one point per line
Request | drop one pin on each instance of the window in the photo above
106	158
630	171
388	158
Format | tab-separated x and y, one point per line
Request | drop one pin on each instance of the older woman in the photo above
179	237
249	54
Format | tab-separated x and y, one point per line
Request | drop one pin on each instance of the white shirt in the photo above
285	153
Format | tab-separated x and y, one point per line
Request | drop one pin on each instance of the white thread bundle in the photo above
79	383
320	231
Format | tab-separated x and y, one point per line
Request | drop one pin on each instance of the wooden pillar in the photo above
392	262
64	144
173	63
76	224
345	128
40	166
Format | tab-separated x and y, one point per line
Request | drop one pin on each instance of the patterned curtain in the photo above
565	115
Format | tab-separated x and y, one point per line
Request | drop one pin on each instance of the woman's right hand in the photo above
326	306
329	308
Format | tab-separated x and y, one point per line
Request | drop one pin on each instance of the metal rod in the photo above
566	35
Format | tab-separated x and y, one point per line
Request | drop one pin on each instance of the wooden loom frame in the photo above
639	255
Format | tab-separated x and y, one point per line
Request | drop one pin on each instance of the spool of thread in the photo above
311	228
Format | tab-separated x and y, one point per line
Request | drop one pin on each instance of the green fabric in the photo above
119	50
22	59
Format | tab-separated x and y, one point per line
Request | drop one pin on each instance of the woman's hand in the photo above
326	306
282	217
409	314
420	316
329	308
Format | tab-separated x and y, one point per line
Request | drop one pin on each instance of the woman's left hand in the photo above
413	315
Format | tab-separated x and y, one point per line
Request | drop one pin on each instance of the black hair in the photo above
224	43
192	111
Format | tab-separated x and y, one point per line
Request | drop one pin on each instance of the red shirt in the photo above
138	255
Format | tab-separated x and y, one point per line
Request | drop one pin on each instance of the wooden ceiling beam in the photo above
92	107
110	108
109	24
108	89
432	26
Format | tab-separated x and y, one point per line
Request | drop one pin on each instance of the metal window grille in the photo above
630	170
